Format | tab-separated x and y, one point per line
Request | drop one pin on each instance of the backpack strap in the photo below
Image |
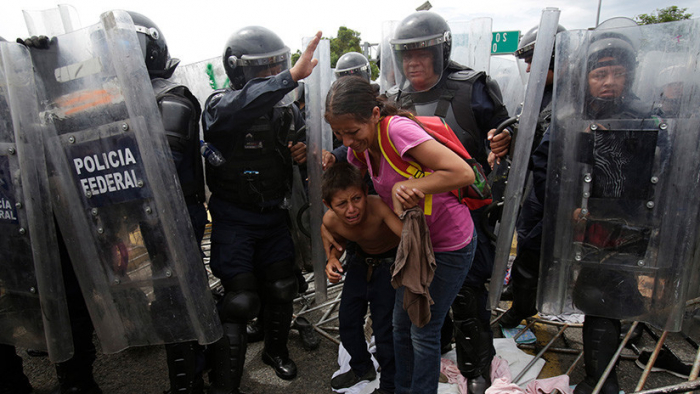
408	169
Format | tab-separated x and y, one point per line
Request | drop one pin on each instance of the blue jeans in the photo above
417	350
379	294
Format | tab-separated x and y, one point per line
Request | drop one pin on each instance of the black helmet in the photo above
153	47
252	50
423	30
353	63
612	46
526	46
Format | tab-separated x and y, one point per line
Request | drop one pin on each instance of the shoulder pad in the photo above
465	75
393	91
215	96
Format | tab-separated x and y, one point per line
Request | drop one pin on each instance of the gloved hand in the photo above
40	42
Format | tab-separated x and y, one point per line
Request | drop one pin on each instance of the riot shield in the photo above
521	152
53	21
116	193
319	137
620	223
202	78
504	70
471	43
387	73
33	310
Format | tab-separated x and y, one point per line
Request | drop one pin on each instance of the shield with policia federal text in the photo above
621	208
116	192
33	309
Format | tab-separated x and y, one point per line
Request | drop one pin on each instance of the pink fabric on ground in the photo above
501	382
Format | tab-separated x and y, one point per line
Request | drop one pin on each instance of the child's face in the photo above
349	205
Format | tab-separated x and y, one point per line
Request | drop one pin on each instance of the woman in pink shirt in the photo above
354	113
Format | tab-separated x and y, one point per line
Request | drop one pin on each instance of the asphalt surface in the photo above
143	369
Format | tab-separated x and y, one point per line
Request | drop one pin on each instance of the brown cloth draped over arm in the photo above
414	267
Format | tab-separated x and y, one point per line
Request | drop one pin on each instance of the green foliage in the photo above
348	40
668	14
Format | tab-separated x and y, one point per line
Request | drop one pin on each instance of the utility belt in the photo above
375	260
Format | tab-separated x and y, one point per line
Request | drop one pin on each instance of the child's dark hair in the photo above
355	96
340	176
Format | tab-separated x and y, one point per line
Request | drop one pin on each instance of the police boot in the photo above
474	346
256	330
12	380
307	334
74	379
278	319
600	342
524	285
227	360
182	369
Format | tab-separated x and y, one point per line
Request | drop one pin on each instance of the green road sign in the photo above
504	42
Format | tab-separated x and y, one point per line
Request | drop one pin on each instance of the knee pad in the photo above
466	303
281	285
241	301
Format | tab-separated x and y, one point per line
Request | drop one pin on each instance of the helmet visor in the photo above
418	62
264	65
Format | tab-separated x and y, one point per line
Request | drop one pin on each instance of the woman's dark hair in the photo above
341	176
355	96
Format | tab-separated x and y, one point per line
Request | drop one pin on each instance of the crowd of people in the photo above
418	257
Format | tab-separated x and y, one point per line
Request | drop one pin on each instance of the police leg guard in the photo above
227	355
474	346
600	341
12	379
72	380
280	288
182	368
525	274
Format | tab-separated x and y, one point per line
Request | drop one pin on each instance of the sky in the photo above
198	30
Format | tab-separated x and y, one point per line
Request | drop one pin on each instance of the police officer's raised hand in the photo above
298	152
499	143
36	42
306	62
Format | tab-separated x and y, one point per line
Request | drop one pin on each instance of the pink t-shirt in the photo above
450	222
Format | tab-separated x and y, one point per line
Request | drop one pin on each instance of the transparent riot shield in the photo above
620	222
33	310
504	70
116	193
202	77
53	21
319	137
387	76
521	152
471	43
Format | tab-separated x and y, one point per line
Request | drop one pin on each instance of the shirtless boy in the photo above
365	220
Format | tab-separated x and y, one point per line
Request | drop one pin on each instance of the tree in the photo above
668	14
348	40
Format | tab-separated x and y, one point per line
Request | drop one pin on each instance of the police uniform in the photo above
252	250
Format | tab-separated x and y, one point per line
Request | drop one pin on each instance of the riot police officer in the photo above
428	83
252	250
353	63
525	271
180	112
610	68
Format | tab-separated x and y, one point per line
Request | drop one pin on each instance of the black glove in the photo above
40	42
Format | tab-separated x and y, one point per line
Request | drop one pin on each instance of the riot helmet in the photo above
153	47
421	47
526	46
610	67
353	63
254	52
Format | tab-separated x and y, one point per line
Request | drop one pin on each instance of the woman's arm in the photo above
449	172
